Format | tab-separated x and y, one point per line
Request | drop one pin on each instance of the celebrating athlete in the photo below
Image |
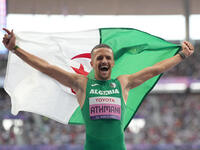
102	100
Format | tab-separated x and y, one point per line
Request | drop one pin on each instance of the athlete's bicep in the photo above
69	79
140	77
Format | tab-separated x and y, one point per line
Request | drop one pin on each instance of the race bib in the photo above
105	108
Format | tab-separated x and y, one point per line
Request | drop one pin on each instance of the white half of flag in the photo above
33	91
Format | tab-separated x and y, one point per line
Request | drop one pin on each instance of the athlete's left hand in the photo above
187	48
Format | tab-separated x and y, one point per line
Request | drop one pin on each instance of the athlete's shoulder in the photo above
123	79
82	82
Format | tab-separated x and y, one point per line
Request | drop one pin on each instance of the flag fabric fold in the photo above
35	92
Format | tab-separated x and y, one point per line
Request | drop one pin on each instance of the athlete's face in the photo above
102	63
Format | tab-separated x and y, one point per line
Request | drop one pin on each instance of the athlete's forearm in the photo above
135	79
66	78
32	60
167	64
187	50
71	80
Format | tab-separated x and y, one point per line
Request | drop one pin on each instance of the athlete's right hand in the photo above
9	39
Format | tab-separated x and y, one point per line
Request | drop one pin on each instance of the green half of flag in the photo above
133	50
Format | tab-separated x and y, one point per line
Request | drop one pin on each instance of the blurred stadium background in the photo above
169	117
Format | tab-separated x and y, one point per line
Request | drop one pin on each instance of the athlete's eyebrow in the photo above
99	57
108	57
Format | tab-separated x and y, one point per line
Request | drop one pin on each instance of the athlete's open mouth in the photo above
103	68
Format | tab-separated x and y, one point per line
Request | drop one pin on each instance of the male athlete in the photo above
102	100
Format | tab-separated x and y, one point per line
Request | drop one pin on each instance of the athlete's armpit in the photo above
69	79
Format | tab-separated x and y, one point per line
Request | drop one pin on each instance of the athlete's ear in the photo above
113	63
113	60
91	63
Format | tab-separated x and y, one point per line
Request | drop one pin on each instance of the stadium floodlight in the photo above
15	123
7	124
136	125
170	88
195	87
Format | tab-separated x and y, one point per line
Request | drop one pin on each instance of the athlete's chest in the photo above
104	100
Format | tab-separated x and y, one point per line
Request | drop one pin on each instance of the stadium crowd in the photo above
170	119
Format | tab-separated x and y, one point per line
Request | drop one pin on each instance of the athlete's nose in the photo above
104	60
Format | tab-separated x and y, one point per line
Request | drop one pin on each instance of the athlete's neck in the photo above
102	79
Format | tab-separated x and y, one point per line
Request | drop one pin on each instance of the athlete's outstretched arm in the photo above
133	80
66	78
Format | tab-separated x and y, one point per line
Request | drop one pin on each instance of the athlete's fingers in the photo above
11	43
5	40
13	38
187	48
6	30
189	45
7	36
12	32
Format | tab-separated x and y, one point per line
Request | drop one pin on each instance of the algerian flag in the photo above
35	92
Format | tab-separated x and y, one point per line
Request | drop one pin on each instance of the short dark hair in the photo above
100	46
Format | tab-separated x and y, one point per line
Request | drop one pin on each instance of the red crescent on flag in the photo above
84	55
81	68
